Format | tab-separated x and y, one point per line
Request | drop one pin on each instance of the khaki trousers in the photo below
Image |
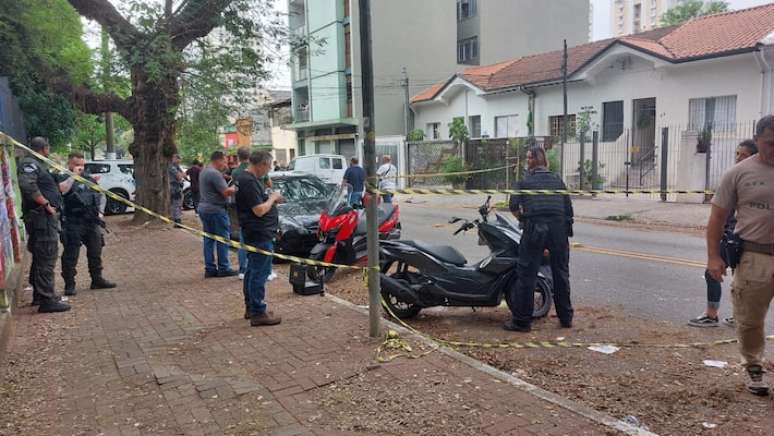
752	291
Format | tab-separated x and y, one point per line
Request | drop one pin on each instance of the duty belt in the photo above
758	248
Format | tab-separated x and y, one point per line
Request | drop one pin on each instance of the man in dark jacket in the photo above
547	223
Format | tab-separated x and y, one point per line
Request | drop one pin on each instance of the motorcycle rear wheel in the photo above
542	302
395	307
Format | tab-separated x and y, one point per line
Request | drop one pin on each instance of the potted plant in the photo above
704	140
596	183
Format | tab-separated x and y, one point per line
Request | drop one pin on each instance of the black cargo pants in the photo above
43	244
75	234
538	235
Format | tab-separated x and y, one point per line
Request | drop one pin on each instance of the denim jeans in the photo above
387	198
218	224
254	286
355	198
242	255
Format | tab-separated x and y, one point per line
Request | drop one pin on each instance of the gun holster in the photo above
731	248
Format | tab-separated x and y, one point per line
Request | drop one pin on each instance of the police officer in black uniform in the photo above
82	220
41	205
547	224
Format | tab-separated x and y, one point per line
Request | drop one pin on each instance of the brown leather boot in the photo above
266	318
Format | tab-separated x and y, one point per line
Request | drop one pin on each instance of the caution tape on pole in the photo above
166	219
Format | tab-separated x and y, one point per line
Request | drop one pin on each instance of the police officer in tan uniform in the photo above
748	188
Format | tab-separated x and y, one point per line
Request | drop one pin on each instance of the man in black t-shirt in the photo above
258	219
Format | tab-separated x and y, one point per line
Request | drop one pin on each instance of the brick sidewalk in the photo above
169	353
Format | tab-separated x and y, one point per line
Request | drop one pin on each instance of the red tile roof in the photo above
714	35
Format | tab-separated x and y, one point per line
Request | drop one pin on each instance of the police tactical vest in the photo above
551	205
81	202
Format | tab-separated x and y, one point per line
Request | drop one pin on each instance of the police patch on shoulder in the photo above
30	168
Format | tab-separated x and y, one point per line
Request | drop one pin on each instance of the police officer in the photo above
41	204
547	224
82	217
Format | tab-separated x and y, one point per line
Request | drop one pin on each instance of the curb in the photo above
575	407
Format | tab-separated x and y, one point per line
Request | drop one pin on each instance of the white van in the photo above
329	167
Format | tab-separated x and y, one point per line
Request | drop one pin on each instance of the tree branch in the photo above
91	102
196	20
124	34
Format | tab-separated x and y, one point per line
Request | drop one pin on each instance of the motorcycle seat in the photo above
444	253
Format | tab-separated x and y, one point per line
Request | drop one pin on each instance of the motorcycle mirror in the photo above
455	220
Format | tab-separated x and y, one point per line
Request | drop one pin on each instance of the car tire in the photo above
113	207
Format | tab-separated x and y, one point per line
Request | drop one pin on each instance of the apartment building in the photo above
429	39
635	16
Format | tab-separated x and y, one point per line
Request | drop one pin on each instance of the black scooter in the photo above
417	275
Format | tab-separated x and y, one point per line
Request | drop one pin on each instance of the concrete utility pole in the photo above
564	117
369	157
407	104
110	149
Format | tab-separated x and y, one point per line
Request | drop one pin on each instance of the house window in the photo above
507	126
612	120
433	130
475	126
556	123
467	50
466	9
719	113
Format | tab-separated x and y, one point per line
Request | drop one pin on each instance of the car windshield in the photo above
301	189
339	199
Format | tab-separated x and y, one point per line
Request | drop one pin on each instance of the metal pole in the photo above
628	163
664	162
708	168
581	164
594	158
565	122
407	103
369	156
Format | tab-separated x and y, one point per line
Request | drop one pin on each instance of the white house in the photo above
714	71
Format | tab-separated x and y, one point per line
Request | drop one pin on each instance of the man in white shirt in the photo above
388	176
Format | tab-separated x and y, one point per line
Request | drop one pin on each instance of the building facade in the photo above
415	44
635	16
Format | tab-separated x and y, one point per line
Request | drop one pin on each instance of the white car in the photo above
116	176
329	167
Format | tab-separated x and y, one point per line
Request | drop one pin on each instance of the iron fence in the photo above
11	119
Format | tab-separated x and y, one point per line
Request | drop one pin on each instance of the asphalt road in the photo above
647	274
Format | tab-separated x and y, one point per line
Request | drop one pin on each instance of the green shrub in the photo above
454	165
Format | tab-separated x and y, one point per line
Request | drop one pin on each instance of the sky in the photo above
602	28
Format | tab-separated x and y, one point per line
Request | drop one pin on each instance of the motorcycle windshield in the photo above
339	200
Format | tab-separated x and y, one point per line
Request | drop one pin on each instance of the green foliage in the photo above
588	166
458	131
416	135
454	165
552	156
197	136
689	9
583	122
89	133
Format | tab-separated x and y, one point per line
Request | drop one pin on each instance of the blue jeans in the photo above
218	224
387	198
355	198
242	255
254	286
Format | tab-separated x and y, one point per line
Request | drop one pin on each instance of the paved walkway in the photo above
169	353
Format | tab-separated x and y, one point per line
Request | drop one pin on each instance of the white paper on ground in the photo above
604	349
716	363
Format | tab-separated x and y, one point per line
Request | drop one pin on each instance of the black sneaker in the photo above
210	274
513	327
755	382
228	273
704	321
53	307
101	283
730	321
69	289
565	324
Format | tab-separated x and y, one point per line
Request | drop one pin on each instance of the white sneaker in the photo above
271	277
241	276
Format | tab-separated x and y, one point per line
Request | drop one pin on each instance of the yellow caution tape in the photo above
452	174
449	191
195	231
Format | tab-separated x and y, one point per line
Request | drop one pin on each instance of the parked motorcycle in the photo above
417	275
343	232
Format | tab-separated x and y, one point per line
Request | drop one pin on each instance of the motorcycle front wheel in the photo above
542	299
320	273
395	307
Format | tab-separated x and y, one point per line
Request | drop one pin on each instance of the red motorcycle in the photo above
343	232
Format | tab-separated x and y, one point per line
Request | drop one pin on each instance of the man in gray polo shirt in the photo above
748	188
213	192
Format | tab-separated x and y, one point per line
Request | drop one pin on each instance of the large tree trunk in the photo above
154	140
